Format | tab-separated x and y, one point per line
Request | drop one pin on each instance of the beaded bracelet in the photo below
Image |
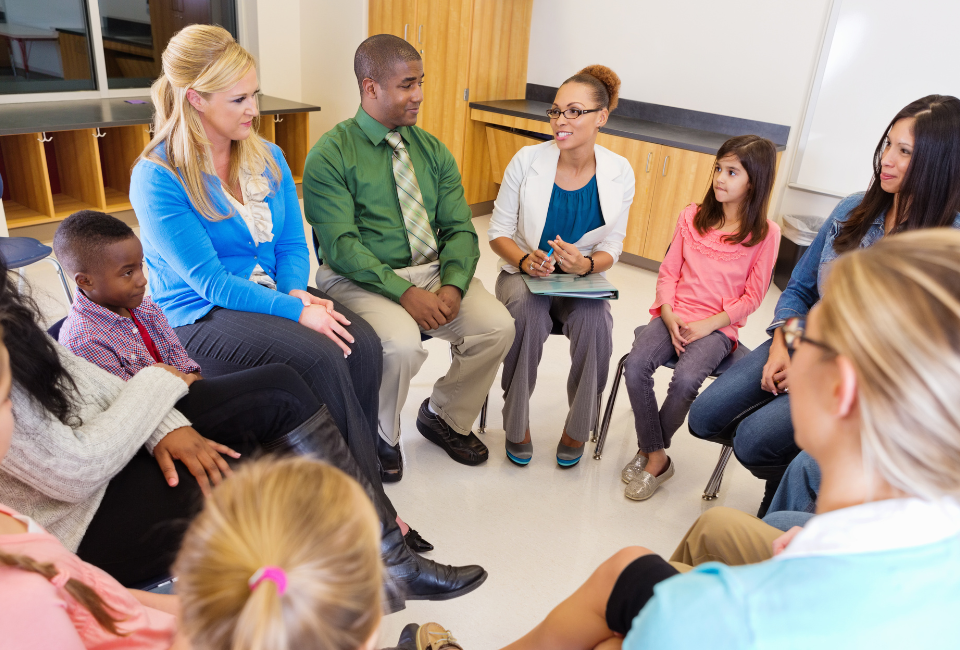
522	260
583	275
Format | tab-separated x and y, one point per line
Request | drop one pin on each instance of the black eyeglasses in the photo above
793	334
570	113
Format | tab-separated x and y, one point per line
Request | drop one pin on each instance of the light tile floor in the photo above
540	530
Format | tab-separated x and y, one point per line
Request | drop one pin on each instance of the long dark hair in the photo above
758	156
930	190
34	362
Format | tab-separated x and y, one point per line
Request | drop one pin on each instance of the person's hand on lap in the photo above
201	456
308	299
538	264
569	257
187	378
675	325
426	307
696	330
451	296
781	543
327	321
775	378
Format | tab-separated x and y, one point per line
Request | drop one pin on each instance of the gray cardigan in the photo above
57	474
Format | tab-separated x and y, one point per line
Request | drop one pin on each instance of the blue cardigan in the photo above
196	264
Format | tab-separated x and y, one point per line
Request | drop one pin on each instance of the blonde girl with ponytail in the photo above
286	554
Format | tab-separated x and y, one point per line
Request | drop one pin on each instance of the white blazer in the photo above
520	211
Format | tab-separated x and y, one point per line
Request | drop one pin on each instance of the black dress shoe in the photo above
391	461
416	543
443	582
464	449
408	637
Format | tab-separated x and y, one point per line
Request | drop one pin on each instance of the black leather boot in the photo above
410	576
772	474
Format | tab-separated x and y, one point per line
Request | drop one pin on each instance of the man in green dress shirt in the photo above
385	200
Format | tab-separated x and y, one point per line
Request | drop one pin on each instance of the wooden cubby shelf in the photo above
60	157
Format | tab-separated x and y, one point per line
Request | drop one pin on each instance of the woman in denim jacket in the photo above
917	178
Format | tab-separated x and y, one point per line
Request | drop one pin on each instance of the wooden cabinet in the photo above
682	178
472	50
668	178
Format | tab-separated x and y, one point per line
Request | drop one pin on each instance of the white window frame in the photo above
100	65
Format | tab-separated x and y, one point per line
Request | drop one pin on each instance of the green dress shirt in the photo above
350	199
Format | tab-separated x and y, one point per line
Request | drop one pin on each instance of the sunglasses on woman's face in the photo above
793	334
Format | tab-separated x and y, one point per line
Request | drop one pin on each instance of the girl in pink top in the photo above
50	598
715	274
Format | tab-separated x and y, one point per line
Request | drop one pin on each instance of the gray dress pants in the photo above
589	326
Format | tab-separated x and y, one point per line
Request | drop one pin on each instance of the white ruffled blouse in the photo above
257	216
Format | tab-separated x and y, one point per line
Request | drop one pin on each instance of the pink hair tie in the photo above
273	573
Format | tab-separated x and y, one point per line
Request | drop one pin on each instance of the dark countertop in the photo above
672	135
92	113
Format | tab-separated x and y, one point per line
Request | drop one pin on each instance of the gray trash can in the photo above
798	232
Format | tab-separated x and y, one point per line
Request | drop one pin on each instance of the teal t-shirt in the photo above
902	599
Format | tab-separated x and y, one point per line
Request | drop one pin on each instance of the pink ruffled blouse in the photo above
702	275
39	613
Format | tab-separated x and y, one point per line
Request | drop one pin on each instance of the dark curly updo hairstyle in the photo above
604	83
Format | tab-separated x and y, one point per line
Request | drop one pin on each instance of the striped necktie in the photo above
423	242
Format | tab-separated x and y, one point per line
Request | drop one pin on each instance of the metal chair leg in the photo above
483	415
608	413
596	421
713	485
63	278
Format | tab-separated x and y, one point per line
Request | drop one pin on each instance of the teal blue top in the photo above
572	214
894	598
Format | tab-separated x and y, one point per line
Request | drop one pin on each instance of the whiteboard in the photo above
877	57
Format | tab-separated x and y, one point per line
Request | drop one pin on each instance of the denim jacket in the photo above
806	282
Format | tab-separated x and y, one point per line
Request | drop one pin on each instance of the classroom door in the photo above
443	40
682	177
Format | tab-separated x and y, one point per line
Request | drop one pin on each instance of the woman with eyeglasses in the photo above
562	208
875	399
916	184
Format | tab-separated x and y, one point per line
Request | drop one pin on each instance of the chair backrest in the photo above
54	330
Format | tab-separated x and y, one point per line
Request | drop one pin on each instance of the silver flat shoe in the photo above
643	487
632	469
519	453
569	456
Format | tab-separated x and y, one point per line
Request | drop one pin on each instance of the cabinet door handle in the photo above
649	156
665	165
405	31
420	35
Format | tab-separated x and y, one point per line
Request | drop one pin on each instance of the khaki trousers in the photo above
479	338
725	535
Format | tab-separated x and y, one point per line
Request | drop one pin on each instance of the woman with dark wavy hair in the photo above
80	461
916	184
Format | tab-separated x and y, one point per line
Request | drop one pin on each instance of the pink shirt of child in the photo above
39	613
702	275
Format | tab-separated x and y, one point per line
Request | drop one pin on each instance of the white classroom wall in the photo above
754	59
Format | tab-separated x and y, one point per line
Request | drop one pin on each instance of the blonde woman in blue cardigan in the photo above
562	208
224	241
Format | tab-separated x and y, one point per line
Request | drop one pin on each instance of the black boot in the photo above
410	576
772	474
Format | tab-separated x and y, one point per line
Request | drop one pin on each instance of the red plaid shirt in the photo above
113	342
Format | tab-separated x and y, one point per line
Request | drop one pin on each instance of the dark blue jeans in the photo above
764	439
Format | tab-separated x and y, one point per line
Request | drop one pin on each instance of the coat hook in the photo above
44	137
277	119
98	134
